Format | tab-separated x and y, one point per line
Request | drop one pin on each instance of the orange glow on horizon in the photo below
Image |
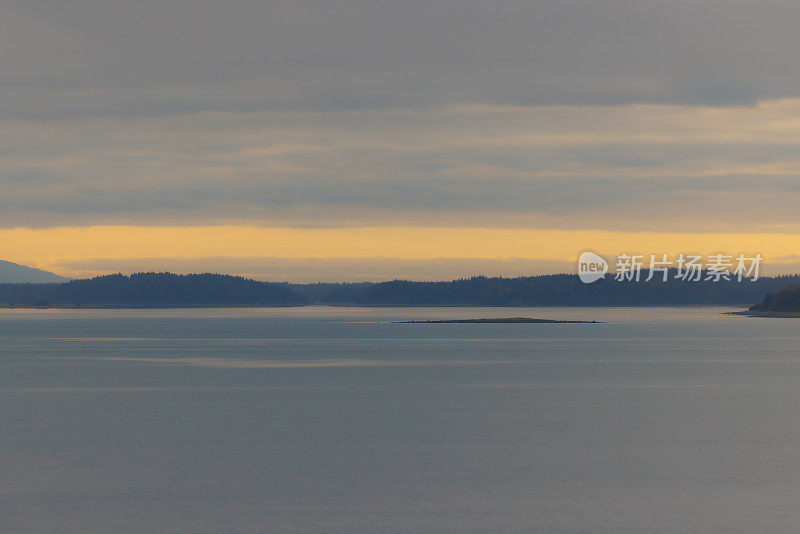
47	248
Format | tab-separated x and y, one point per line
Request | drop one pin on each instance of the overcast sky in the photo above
581	115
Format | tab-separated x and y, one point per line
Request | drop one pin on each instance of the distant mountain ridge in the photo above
14	273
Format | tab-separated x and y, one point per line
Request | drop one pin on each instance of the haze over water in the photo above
321	419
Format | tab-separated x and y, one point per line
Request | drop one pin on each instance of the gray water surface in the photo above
334	420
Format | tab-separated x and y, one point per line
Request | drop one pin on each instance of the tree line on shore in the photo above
175	290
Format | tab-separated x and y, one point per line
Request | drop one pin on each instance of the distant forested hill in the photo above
172	290
153	290
785	300
548	290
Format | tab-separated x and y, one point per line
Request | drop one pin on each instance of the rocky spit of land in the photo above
496	320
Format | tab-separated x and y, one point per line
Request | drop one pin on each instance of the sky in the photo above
365	139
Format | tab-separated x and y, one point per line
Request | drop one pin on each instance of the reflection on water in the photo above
318	419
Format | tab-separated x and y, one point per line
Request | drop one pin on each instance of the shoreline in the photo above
767	314
349	305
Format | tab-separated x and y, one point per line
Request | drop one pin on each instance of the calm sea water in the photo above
334	420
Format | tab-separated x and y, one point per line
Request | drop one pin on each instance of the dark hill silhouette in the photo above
153	290
549	290
172	290
783	301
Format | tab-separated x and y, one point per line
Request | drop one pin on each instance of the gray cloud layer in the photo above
457	112
87	57
606	167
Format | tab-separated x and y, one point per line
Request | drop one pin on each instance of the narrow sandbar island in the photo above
496	321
